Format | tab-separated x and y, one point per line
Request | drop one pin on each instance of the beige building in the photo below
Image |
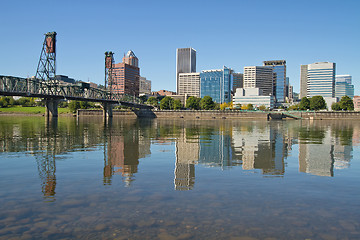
187	155
356	101
259	77
189	83
144	86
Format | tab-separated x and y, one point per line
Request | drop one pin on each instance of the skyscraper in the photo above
321	79
126	75
279	67
216	84
238	81
259	77
343	86
185	63
303	80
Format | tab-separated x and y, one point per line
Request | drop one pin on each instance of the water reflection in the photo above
264	146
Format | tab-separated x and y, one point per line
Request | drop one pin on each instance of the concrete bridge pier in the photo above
51	108
107	110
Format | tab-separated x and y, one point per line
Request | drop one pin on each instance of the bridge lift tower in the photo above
46	69
46	72
109	62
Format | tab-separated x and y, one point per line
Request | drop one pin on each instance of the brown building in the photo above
356	101
126	76
163	93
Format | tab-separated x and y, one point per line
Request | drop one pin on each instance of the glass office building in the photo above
216	84
343	86
279	68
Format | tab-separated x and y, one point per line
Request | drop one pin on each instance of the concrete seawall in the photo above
338	115
85	112
216	114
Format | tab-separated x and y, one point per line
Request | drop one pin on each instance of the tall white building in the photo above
185	63
321	79
259	77
189	83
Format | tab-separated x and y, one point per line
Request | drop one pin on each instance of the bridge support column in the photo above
107	110
51	108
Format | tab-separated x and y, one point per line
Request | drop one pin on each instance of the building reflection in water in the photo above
123	152
261	146
323	148
187	155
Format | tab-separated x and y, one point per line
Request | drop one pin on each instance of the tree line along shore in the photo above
29	105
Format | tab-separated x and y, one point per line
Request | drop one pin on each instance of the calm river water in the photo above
179	179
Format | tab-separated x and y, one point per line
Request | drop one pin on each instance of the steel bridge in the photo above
45	85
55	91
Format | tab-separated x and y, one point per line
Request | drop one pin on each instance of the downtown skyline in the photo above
256	31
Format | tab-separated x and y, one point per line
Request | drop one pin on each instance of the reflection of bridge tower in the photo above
46	163
187	154
47	169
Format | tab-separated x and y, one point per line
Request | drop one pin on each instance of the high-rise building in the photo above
321	79
126	76
216	84
131	59
279	67
303	80
189	83
185	63
238	81
144	86
259	77
343	86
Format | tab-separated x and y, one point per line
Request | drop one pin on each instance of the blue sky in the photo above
231	33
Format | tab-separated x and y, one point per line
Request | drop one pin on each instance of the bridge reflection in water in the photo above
260	147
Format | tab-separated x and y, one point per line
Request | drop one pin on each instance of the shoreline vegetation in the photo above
195	107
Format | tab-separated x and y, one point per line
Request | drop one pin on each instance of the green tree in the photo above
207	103
317	102
152	101
143	98
335	106
84	105
74	105
294	107
7	101
262	108
249	107
346	103
63	104
304	103
177	104
3	103
167	103
193	103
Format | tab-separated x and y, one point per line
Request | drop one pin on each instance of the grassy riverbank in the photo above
31	110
